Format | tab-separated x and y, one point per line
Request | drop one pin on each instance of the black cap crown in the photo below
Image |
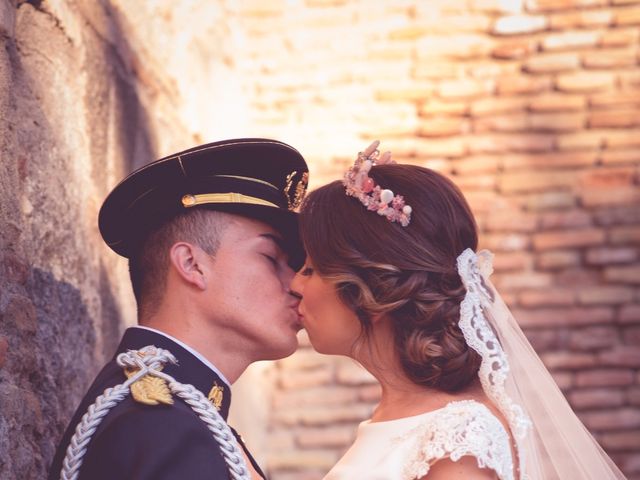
253	177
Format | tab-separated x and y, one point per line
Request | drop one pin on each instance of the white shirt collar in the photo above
193	352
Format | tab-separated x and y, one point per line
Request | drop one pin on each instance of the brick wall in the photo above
533	108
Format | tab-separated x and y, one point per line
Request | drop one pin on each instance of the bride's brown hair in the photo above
407	274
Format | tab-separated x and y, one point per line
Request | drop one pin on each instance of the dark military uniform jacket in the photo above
159	442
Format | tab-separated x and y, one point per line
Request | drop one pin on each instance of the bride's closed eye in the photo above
306	271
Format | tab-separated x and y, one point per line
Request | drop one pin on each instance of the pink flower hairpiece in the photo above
358	184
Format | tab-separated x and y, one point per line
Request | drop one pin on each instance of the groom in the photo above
212	242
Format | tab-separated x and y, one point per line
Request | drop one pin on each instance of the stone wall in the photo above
83	100
531	106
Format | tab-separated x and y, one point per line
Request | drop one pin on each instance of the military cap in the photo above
253	177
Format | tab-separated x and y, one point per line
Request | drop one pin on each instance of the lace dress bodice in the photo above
405	449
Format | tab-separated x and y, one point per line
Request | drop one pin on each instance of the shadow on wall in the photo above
55	334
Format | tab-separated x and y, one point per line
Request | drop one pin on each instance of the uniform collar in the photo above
192	368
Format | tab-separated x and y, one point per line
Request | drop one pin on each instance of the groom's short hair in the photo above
148	268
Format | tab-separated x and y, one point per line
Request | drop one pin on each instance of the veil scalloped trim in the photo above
551	442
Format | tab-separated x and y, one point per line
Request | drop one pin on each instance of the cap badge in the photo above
300	190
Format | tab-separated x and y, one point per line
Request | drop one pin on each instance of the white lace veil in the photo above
551	441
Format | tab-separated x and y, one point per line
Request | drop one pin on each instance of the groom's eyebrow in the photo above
277	239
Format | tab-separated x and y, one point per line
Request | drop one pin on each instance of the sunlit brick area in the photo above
533	108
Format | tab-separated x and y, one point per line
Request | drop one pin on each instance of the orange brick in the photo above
556	122
513	49
555	102
508	261
585	81
627	418
476	164
550	200
596	397
570	40
608	196
627	16
457	46
604	378
520	280
442	127
543	340
619	441
501	123
553	160
564	239
535	181
558	259
476	182
629	314
528	143
401	94
624	235
429	68
492	105
604	295
618	37
335	436
519	24
565	219
609	255
481	144
554	297
495	6
617	99
613	157
464	88
454	147
626	138
509	221
579	141
433	106
306	378
509	242
558	317
492	69
629	274
552	62
521	84
621	356
370	393
608	177
568	360
614	119
609	59
629	79
555	5
624	214
580	18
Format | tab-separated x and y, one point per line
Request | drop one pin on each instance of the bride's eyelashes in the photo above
306	271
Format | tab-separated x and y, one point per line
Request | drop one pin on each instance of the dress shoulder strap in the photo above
464	428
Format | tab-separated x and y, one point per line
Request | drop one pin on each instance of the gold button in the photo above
188	200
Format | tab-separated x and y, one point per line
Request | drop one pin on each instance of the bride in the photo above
393	280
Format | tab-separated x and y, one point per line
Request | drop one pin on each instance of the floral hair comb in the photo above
358	184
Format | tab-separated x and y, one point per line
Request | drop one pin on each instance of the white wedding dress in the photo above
405	449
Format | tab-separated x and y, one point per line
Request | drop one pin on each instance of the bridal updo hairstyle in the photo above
408	274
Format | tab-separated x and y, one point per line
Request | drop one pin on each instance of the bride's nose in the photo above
296	285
